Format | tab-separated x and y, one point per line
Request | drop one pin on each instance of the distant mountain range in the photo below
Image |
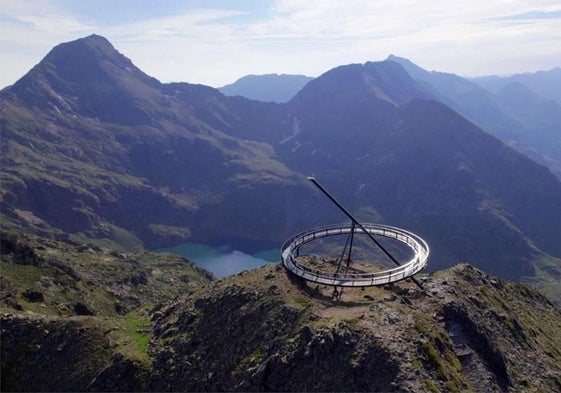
94	150
523	110
546	84
270	87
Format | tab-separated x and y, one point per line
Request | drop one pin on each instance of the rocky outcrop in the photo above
79	318
266	331
66	278
65	354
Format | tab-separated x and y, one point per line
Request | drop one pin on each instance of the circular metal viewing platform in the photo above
291	258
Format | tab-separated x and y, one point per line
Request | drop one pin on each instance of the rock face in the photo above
267	331
65	278
65	354
75	317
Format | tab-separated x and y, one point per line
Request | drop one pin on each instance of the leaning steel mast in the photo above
291	251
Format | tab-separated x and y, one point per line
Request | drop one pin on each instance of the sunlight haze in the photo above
216	42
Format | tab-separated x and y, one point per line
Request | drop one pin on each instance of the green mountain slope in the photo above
94	146
76	317
66	278
95	150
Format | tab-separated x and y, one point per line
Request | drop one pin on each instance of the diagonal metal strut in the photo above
357	223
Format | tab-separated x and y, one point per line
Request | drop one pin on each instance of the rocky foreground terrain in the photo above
265	330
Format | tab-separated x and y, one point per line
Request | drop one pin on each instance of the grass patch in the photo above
21	276
118	239
431	386
447	368
547	278
251	359
134	336
170	231
299	300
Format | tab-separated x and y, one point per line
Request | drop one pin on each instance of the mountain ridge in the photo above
465	331
84	192
269	87
531	126
545	83
95	75
200	159
136	159
322	134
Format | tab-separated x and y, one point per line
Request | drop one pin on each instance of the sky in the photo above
215	42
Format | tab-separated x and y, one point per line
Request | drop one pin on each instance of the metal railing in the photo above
346	279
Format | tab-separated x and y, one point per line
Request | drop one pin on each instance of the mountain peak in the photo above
412	69
94	41
96	38
94	47
90	77
92	57
269	87
518	96
400	60
383	80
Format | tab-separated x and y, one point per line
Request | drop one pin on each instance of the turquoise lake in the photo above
223	261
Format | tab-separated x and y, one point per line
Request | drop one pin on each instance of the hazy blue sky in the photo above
216	42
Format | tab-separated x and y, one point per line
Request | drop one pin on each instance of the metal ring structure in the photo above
344	279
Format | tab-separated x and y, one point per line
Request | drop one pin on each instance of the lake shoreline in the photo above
223	260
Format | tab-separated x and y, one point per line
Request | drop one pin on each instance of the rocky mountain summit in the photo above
265	330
